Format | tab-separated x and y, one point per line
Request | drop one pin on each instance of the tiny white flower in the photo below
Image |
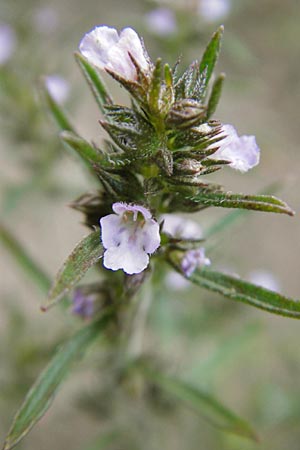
194	259
107	49
58	88
8	42
214	10
265	279
181	228
242	151
129	236
161	21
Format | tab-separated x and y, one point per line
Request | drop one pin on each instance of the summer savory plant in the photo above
154	164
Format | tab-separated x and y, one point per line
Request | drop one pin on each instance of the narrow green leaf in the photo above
215	95
95	82
86	254
202	403
155	86
241	291
84	149
41	394
234	216
267	203
56	110
23	259
210	56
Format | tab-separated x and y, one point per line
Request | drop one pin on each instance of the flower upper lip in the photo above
104	47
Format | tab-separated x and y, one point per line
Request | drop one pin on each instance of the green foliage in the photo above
87	152
240	290
202	403
267	203
57	112
210	56
157	152
95	82
42	393
215	95
86	254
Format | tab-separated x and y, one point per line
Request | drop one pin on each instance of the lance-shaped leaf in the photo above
210	56
95	82
202	403
88	153
215	95
155	86
55	109
240	290
267	203
41	394
86	254
234	216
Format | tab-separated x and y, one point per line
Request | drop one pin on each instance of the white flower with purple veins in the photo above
129	237
242	151
105	48
161	21
8	42
194	259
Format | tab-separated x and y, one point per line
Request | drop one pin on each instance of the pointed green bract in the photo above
215	95
155	86
56	110
89	154
210	56
203	404
240	290
267	203
41	394
95	82
86	254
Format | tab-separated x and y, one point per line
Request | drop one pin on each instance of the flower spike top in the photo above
129	236
105	48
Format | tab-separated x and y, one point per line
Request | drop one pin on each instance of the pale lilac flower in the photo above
107	49
194	259
242	151
265	279
161	21
58	88
45	19
8	42
214	10
83	304
181	228
129	236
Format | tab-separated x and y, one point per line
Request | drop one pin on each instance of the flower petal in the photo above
128	258
111	230
96	44
242	152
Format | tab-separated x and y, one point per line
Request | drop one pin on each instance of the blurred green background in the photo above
247	358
